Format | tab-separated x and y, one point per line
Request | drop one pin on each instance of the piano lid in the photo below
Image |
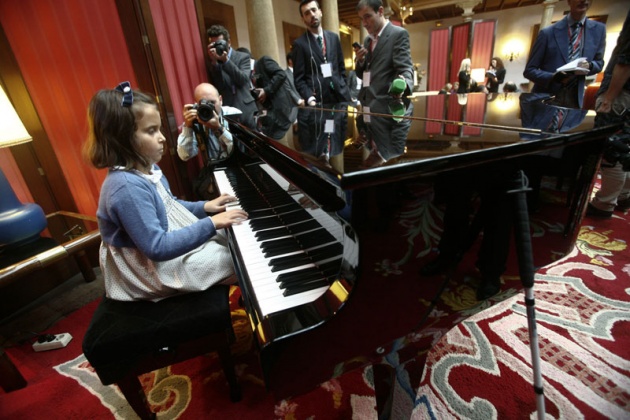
424	132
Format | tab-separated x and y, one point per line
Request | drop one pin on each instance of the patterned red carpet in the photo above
480	369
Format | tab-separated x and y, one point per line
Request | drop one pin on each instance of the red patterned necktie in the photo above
575	40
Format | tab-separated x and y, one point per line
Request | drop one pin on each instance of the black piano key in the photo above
281	219
302	241
277	243
290	261
282	244
282	250
318	254
324	253
331	268
268	234
300	215
304	273
315	238
287	230
265	223
305	287
305	278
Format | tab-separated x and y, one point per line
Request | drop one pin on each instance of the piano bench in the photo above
127	339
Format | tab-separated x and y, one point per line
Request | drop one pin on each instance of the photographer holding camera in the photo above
204	119
613	101
205	129
230	73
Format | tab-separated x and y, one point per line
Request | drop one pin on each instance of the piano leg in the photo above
384	377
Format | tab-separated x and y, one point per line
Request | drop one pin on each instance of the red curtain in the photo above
475	112
435	110
181	50
459	48
438	59
182	56
482	44
67	50
454	113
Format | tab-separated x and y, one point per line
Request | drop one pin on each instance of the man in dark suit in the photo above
230	73
320	79
319	69
571	38
291	81
275	96
384	58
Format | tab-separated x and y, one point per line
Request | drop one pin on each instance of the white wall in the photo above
517	24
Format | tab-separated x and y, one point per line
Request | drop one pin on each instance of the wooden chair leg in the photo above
132	390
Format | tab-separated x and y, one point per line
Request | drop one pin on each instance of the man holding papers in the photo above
565	52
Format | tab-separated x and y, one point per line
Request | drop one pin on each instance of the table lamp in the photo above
19	223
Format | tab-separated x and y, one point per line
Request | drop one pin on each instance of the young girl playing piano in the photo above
153	244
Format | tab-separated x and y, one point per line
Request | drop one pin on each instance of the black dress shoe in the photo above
592	211
439	265
488	288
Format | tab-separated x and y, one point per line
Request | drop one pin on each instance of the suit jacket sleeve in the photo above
300	61
273	73
599	31
534	67
341	65
359	66
238	67
402	58
295	96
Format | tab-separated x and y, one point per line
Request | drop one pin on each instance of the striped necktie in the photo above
575	40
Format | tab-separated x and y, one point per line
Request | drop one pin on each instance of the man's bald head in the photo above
206	91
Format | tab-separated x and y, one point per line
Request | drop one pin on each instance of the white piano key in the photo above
267	290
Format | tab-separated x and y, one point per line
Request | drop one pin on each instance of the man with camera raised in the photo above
230	72
204	127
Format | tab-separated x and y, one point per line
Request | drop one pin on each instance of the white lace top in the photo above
130	275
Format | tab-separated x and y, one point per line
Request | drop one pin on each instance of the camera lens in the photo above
205	110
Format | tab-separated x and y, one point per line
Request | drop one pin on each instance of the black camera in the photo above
205	109
618	150
220	46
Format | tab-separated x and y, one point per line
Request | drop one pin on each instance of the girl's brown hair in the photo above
112	126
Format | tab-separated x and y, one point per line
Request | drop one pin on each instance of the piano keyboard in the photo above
290	252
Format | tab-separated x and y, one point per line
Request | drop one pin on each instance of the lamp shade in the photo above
19	223
12	131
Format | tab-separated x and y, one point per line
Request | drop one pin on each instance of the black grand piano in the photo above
329	261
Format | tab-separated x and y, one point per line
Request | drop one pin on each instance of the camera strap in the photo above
210	152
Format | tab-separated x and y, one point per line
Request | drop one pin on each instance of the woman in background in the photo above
495	74
464	76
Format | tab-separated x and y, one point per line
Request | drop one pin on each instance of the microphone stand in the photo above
526	272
